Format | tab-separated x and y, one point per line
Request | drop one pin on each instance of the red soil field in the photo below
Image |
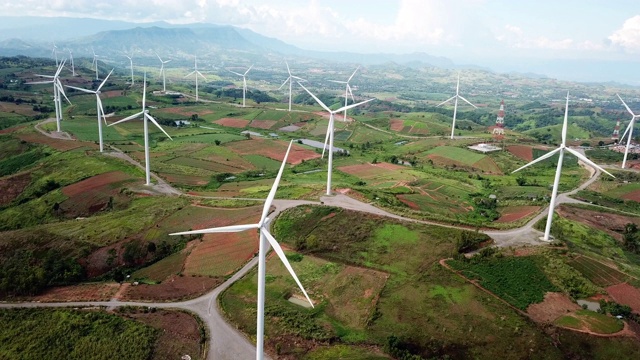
409	203
83	292
612	224
627	295
94	183
185	179
273	149
524	152
514	213
179	332
221	254
12	187
62	145
396	124
369	170
232	122
111	94
174	288
26	109
634	195
553	306
263	124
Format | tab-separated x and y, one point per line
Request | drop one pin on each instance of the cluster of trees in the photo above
631	238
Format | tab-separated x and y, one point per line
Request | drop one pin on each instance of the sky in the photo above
482	32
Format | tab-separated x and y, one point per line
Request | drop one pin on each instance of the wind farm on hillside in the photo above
406	229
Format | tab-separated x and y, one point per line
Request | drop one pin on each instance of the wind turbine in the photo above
347	91
54	52
73	69
145	116
57	90
629	129
455	106
130	65
560	150
164	87
196	72
244	83
95	62
330	131
266	239
290	80
99	108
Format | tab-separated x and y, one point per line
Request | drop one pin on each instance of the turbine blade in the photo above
61	89
298	78
467	101
156	124
625	105
276	247
541	158
246	72
222	229
233	72
274	187
446	101
629	127
351	77
144	92
337	81
315	98
199	73
326	138
39	82
81	89
101	109
352	106
587	161
191	73
288	70
289	78
350	93
134	116
105	80
564	124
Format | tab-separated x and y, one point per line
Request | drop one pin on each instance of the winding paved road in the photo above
226	342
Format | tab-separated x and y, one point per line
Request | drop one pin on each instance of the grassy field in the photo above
593	321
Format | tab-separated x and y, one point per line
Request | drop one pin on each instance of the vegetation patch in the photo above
591	321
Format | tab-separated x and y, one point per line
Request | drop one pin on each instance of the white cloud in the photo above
628	37
515	37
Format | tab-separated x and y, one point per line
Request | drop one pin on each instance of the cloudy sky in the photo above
467	31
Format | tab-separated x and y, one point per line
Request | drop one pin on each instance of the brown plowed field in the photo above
95	183
262	124
634	195
93	194
513	213
181	110
524	152
627	295
62	145
612	224
396	124
273	149
232	122
365	171
12	187
172	289
185	179
11	129
487	165
83	292
179	333
221	254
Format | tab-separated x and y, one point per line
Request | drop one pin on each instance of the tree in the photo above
631	238
217	142
118	276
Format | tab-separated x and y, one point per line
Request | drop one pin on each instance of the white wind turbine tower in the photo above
130	65
99	108
145	116
560	150
347	91
266	239
73	68
455	106
57	91
95	62
290	80
162	72
244	83
197	73
330	131
629	129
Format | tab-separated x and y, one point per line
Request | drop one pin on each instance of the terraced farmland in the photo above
599	274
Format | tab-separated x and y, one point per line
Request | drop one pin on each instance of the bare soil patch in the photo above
11	129
524	152
173	289
95	193
396	124
12	187
612	224
232	122
553	306
273	149
627	295
62	145
22	109
514	213
633	195
181	110
82	292
263	124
